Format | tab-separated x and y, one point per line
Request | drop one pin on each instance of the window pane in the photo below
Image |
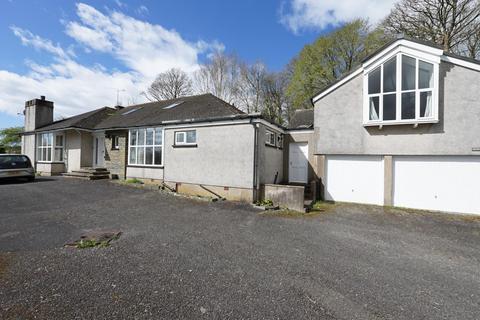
425	75
426	104
390	107
49	154
50	139
374	81
374	108
58	154
59	141
133	155
141	155
149	141
408	105
158	155
191	136
149	155
141	137
133	137
390	75
44	139
179	137
408	73
158	137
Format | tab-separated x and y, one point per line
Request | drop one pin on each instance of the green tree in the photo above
10	139
329	57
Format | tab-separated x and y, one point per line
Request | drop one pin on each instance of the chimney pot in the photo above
42	97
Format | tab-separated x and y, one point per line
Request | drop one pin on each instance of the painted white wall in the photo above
28	146
145	173
444	183
357	179
73	147
223	157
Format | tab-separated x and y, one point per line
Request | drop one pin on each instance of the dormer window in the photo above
401	90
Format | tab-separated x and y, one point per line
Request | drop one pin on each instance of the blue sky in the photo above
79	53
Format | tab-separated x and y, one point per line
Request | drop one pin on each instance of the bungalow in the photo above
402	129
197	145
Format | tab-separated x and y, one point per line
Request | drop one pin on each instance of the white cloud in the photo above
142	10
29	39
298	15
141	48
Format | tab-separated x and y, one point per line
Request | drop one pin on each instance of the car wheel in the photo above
31	179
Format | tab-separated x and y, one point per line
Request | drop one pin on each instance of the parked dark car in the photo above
16	166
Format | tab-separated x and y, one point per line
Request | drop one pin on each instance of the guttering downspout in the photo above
255	161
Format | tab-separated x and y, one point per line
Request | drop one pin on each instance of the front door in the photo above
98	150
298	162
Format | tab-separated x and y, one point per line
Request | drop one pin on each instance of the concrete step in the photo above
88	169
93	173
87	175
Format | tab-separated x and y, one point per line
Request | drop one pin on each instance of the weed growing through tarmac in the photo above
95	239
134	180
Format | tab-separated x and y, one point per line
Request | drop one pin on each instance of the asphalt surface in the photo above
187	259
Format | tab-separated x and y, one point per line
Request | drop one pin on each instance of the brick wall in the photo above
115	160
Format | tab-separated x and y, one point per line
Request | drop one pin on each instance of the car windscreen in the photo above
14	162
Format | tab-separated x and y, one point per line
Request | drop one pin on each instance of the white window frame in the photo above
418	56
42	150
268	138
184	142
144	146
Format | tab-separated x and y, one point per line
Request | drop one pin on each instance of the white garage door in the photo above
354	179
437	183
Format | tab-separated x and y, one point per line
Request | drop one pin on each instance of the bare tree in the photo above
220	76
250	93
171	84
450	23
275	100
473	45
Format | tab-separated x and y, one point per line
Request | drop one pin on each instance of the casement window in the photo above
270	138
280	141
403	89
146	147
50	147
115	142
188	137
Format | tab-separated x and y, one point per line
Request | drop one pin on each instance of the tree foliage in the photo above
171	84
10	139
453	24
330	56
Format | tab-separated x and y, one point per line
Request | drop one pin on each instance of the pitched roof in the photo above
203	106
88	120
301	119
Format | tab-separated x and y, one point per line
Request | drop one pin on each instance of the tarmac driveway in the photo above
187	259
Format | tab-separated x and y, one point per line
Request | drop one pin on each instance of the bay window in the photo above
145	147
50	147
401	90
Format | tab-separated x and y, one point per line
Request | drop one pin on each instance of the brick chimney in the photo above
38	113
